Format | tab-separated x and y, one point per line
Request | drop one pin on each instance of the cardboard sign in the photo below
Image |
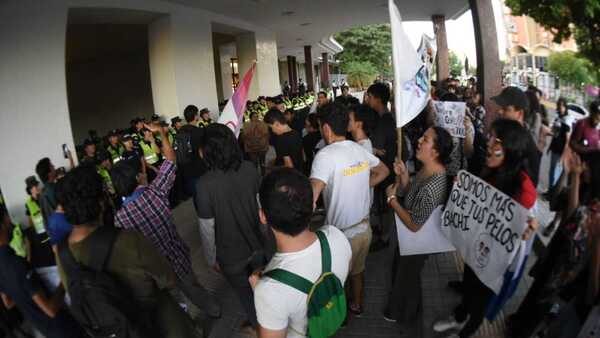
428	240
485	226
451	116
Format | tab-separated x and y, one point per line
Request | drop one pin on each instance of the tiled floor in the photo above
438	301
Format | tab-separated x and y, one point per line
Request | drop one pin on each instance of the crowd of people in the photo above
101	255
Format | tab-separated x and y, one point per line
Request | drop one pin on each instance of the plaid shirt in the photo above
150	214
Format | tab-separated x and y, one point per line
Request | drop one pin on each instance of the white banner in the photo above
485	226
428	240
411	82
451	116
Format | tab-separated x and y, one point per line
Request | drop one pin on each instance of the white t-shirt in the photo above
279	306
345	168
366	143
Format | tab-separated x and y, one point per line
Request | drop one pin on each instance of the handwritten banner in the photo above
485	225
451	116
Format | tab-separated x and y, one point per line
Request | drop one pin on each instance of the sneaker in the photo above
388	317
448	324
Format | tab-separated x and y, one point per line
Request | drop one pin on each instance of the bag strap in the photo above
101	246
325	252
70	265
291	279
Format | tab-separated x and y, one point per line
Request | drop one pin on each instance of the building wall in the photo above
34	111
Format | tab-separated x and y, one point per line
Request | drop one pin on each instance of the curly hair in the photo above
43	169
286	199
221	149
81	195
443	145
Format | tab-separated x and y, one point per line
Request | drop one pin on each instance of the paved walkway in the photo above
438	301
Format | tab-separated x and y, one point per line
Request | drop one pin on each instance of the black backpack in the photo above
102	306
182	144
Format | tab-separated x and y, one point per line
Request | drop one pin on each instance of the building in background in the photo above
528	47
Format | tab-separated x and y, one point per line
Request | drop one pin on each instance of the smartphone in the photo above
65	150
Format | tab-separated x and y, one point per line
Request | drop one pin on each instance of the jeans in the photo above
553	174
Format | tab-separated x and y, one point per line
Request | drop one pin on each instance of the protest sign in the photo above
428	240
485	225
451	116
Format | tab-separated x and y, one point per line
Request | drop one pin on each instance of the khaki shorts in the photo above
360	249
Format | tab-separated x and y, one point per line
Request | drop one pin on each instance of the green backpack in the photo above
326	301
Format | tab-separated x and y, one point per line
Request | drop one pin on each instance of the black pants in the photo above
241	287
474	302
405	295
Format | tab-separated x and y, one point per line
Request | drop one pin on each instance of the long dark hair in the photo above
516	144
220	148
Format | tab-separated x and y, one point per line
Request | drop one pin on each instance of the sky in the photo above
460	34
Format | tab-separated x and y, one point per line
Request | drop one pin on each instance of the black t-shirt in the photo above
309	143
20	282
41	251
196	167
385	137
290	144
231	199
560	129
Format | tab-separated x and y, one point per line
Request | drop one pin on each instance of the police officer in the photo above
176	124
114	149
89	152
205	119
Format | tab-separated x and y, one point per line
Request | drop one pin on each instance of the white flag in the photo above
411	75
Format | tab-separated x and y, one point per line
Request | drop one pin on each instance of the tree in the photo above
360	73
566	18
570	68
456	66
367	44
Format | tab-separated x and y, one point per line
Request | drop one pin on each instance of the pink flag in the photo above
233	113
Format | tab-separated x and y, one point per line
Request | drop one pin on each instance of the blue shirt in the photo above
58	227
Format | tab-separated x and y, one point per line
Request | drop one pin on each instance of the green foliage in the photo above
570	68
367	44
456	66
360	73
566	18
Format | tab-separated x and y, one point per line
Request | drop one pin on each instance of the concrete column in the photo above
182	66
33	99
290	67
325	71
489	68
246	52
261	47
294	75
308	68
442	62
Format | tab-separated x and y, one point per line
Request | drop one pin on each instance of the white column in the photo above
34	112
226	53
182	64
262	47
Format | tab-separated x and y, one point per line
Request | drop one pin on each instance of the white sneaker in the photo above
448	324
454	335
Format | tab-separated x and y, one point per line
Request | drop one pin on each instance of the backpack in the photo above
255	140
102	306
182	144
326	300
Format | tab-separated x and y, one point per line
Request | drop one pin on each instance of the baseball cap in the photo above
163	123
31	182
204	110
512	96
277	100
155	118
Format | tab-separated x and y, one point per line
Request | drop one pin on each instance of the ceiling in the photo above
306	22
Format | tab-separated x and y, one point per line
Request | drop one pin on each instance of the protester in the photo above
286	200
133	261
49	176
428	191
256	140
89	152
228	211
188	140
506	164
561	130
146	209
288	142
310	140
344	172
463	147
585	141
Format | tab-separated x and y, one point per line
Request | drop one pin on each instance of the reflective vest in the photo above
17	242
288	103
37	219
171	135
150	154
103	172
115	154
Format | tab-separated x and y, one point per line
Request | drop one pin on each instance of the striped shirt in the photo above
151	215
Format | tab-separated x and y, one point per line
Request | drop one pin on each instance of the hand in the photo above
254	278
379	152
154	127
401	172
532	226
391	190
